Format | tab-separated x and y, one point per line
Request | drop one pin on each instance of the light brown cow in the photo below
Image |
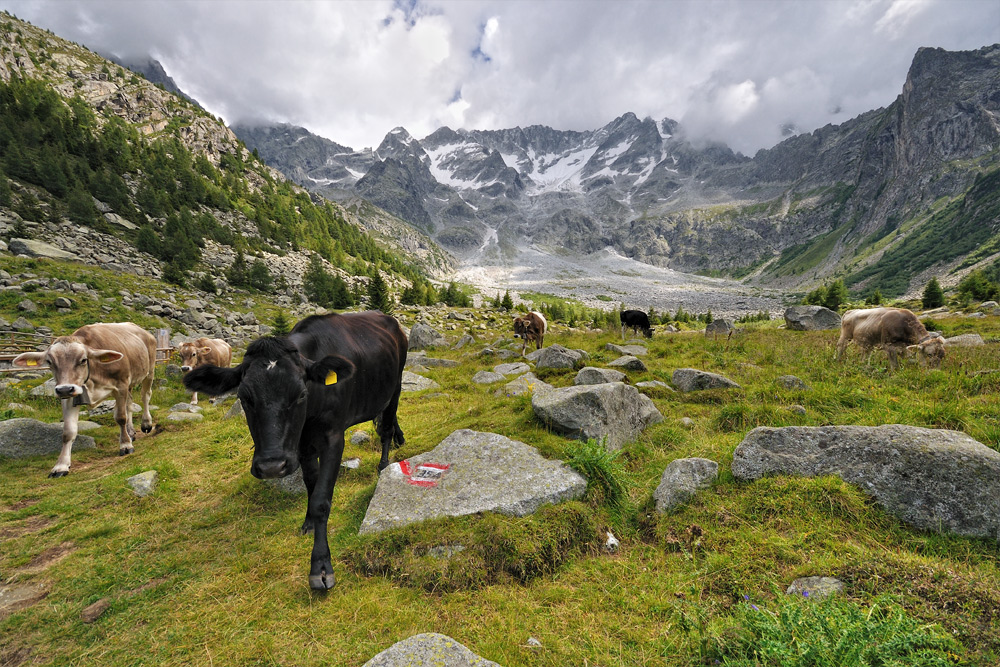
204	351
93	362
529	328
893	329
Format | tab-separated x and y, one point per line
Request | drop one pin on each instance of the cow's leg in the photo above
538	341
321	570
842	346
893	356
387	428
147	394
71	421
310	475
623	333
123	417
194	398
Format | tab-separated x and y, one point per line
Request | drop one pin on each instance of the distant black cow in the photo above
301	392
637	320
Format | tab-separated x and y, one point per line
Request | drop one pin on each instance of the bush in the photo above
832	632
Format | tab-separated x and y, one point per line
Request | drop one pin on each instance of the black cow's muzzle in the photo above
273	468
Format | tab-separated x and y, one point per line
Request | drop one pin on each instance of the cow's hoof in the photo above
321	582
307	527
58	473
146	428
124	451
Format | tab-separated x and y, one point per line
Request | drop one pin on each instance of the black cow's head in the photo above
274	383
647	332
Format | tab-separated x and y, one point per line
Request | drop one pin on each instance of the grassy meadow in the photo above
211	570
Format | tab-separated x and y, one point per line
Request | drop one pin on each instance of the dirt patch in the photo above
32	524
15	597
21	504
152	583
95	611
13	656
48	558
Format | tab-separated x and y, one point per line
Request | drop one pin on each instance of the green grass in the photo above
211	569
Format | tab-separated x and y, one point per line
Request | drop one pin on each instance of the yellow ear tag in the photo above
331	378
32	362
106	358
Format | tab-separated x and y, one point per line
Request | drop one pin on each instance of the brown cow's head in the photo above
70	360
190	353
276	386
522	327
930	351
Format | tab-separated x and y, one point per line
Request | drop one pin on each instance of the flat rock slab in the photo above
629	363
593	375
487	377
526	384
691	379
22	437
513	368
966	340
469	472
791	382
631	350
428	650
682	479
934	479
35	248
654	384
14	597
185	417
614	410
414	382
423	361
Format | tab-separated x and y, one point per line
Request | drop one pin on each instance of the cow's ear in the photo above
30	360
214	380
912	349
330	370
204	350
106	356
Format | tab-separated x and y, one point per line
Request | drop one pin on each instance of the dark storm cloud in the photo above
735	71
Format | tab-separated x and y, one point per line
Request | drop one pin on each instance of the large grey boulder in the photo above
22	437
811	318
629	363
512	368
414	382
423	336
469	472
691	379
35	248
965	340
719	327
557	356
593	375
487	377
632	350
428	650
934	479
614	410
682	479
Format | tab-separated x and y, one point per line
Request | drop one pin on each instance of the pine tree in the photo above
378	294
5	192
836	295
237	273
933	296
280	326
507	303
875	299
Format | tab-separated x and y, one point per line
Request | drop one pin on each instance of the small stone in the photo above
185	417
687	422
611	545
534	643
144	483
815	587
487	377
360	438
95	611
235	411
185	407
798	409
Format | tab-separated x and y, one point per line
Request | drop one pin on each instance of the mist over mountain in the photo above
850	200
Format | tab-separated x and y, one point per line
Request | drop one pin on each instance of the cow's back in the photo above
369	339
137	344
221	353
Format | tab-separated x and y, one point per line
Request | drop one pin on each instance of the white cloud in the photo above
353	70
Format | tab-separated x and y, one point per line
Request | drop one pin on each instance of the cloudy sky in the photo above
732	70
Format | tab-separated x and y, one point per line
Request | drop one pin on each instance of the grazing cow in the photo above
97	360
204	351
529	328
894	329
300	392
637	320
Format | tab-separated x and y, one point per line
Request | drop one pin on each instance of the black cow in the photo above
636	319
301	392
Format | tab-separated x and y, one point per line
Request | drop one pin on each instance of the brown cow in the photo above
97	360
529	328
895	330
204	351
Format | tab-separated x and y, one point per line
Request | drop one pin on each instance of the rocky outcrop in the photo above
427	650
469	472
613	411
934	479
811	318
22	437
